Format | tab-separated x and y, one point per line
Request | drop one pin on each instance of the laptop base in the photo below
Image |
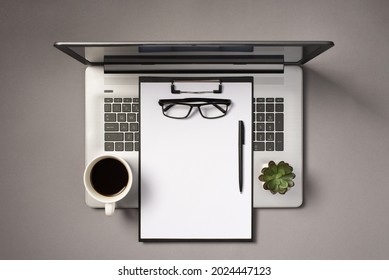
268	86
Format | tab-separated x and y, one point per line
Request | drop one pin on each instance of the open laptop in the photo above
112	98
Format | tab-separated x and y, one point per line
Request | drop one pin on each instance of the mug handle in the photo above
109	208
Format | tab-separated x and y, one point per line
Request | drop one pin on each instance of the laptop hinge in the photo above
192	68
194	64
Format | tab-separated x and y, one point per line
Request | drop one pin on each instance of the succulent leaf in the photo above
283	191
281	171
268	172
273	167
289	176
267	178
283	184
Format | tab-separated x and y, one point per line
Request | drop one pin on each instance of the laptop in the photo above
112	75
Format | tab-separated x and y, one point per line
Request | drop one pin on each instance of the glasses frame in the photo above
185	101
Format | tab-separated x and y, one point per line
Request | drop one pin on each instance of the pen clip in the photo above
241	132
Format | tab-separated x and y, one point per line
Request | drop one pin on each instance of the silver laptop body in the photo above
112	104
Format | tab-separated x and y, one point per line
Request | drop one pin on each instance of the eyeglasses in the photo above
209	108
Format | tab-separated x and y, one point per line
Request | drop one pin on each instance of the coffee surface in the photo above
109	177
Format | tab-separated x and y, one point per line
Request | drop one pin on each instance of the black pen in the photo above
240	154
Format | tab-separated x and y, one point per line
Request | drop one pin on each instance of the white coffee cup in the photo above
108	179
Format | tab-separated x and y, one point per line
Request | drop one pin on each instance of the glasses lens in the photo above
178	111
212	111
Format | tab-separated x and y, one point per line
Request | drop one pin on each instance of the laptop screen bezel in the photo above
310	49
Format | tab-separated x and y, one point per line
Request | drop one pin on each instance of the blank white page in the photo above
189	168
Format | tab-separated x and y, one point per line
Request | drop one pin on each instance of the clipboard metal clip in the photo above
219	90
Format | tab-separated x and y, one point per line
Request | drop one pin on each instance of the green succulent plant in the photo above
277	178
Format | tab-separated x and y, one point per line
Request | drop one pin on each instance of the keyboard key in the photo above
118	99
126	107
129	136
270	117
269	126
260	99
260	127
111	127
119	146
136	99
131	117
137	136
114	137
269	136
127	99
107	107
108	146
136	146
121	117
279	122
129	146
123	126
279	107
260	107
108	99
269	146
117	107
260	117
135	107
269	99
258	146
279	141
260	136
110	117
270	107
134	126
279	99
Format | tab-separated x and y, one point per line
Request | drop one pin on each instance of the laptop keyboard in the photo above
121	124
268	124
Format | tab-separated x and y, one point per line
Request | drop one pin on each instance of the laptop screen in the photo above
233	52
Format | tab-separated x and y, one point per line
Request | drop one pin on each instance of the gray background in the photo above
42	209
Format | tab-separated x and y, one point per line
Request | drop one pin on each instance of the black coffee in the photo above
109	177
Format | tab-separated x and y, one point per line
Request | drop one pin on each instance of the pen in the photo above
240	154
